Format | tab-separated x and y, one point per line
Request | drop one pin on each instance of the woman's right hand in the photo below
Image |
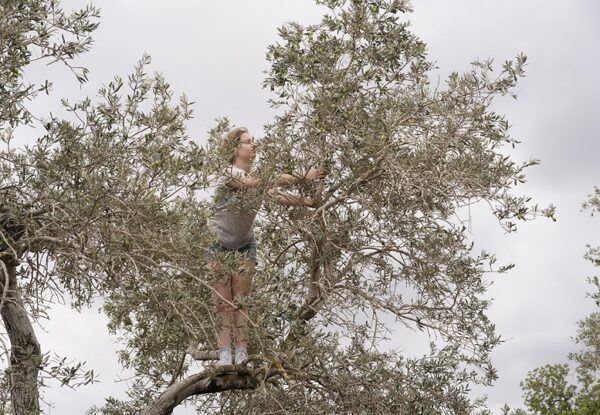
316	174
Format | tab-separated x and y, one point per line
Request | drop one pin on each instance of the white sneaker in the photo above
224	356
241	354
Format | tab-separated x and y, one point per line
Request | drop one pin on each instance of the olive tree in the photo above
29	31
106	203
91	202
386	245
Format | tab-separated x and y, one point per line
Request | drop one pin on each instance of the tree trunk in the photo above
25	355
202	383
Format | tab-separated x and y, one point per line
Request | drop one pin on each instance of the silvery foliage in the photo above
388	244
89	207
107	203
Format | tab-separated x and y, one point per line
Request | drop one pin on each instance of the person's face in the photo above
246	147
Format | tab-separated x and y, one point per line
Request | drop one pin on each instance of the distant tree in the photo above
547	390
587	358
105	204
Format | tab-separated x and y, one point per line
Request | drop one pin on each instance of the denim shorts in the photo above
247	251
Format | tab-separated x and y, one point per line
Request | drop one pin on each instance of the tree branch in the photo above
207	382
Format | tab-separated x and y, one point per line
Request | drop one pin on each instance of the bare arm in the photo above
243	182
283	180
282	198
290	180
286	199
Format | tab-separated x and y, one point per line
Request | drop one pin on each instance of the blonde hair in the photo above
230	142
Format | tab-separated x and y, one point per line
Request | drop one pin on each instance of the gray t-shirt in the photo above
234	210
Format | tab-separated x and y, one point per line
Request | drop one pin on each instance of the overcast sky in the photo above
214	51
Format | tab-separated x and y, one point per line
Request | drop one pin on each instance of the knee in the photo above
240	301
223	306
219	274
247	269
222	298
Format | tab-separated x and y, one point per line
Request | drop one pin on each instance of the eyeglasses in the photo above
246	141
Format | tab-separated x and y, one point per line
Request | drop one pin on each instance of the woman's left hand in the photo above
311	203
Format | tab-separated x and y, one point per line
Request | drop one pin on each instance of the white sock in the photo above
241	354
224	356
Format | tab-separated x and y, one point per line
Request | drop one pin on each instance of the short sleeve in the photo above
218	180
233	173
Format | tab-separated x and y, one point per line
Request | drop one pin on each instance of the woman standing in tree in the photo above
235	202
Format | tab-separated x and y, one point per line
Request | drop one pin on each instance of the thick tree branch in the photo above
206	382
25	356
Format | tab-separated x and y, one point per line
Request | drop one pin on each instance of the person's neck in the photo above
243	164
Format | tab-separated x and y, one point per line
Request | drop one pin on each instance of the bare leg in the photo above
241	289
222	300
